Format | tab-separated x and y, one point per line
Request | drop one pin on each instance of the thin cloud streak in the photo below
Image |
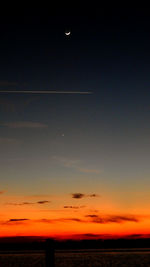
75	163
92	218
112	219
18	220
21	204
71	207
44	92
40	202
13	222
43	202
24	124
89	218
74	207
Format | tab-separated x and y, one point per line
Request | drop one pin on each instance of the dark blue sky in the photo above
98	142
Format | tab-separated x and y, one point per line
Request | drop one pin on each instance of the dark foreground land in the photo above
81	259
85	253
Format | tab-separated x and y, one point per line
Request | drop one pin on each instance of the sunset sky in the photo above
78	163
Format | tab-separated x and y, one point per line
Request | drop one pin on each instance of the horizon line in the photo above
79	237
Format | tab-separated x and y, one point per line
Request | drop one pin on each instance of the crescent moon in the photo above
67	33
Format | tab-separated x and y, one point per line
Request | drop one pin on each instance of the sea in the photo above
79	258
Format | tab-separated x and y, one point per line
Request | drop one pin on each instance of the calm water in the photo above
88	258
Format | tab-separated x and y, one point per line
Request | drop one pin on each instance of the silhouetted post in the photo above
50	253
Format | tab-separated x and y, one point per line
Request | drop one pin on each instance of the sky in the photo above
75	162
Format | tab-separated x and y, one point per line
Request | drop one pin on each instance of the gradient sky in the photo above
75	163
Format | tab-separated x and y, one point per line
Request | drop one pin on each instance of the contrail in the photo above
45	92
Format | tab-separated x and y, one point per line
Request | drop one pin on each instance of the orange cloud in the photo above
112	218
71	207
41	202
80	195
14	221
21	204
18	220
91	216
74	207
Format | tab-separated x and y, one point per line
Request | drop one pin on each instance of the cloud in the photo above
18	220
106	236
21	204
43	202
89	236
120	219
78	195
15	221
91	216
112	219
75	164
24	124
74	207
71	207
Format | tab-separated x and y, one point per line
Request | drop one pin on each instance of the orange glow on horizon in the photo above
28	217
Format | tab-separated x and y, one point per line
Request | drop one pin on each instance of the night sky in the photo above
75	163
